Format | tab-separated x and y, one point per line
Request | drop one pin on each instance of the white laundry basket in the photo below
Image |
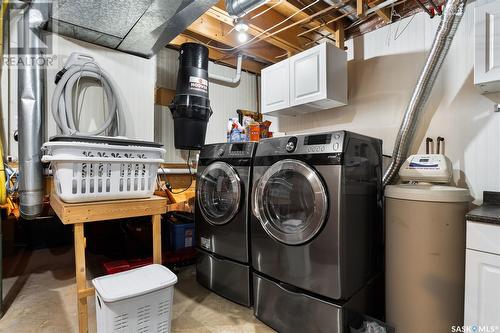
139	300
85	171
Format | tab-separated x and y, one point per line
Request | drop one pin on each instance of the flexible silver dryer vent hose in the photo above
452	14
77	67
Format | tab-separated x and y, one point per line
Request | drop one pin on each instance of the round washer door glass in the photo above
290	201
218	193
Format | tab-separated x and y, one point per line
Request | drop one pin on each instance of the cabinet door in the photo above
482	289
308	76
275	87
487	39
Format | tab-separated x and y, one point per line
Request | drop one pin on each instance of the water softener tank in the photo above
425	247
191	106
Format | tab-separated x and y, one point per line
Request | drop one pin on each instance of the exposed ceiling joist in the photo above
221	32
384	13
360	8
257	27
286	9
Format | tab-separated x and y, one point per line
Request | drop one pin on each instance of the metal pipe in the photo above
348	9
239	8
234	80
447	28
439	140
30	113
424	7
428	142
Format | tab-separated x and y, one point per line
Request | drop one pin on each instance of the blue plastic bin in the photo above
181	232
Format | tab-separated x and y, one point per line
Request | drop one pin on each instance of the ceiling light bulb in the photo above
242	37
240	26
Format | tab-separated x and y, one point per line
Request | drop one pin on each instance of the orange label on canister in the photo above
254	130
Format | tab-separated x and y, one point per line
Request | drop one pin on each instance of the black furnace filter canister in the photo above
191	106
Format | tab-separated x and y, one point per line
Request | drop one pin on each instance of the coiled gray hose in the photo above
62	101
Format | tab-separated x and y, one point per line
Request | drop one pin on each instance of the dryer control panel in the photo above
323	143
228	150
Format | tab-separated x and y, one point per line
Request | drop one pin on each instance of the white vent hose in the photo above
77	67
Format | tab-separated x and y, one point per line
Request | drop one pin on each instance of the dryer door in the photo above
290	202
218	193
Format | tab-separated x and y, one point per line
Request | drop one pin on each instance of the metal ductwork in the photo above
345	9
140	27
239	8
447	28
31	102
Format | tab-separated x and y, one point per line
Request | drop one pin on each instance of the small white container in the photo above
96	171
138	300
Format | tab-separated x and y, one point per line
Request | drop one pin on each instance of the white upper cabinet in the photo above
274	86
487	47
307	78
316	79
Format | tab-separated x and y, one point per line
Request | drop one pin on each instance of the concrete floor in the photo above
39	296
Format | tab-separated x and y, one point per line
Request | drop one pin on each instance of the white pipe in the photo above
234	80
172	171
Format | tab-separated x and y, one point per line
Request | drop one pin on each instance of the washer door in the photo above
290	202
218	193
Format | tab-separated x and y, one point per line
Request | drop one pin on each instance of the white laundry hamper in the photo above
139	300
95	171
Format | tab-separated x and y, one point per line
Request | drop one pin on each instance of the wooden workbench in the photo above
80	213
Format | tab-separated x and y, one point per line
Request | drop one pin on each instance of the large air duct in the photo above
30	112
450	19
239	8
191	106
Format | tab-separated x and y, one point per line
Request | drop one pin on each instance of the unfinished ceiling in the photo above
281	28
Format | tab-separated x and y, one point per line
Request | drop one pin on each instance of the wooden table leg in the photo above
81	278
156	239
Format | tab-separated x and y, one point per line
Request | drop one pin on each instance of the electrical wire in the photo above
268	9
252	40
168	187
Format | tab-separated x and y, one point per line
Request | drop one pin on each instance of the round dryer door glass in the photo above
290	201
218	193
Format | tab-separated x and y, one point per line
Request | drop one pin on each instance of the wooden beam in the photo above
218	56
164	96
360	7
339	35
384	13
218	31
286	9
258	26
